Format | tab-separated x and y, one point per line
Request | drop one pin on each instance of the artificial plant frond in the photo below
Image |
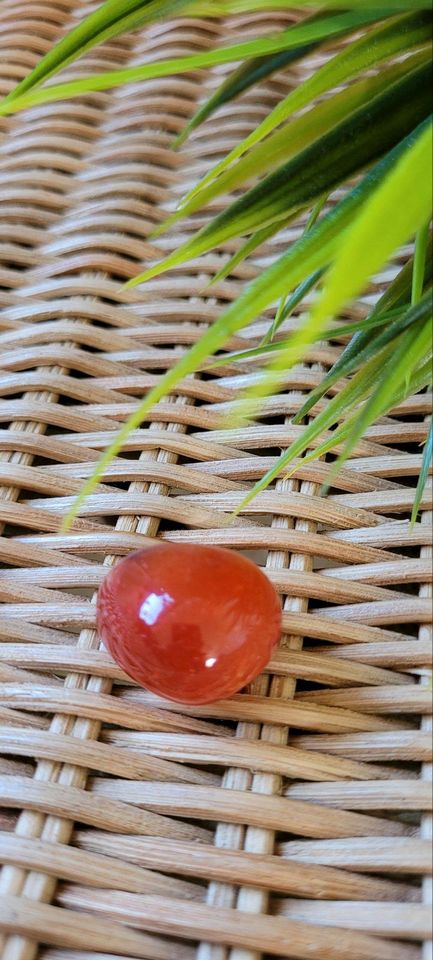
364	112
359	140
393	38
295	135
420	267
382	224
320	27
334	331
315	249
110	20
387	7
256	240
408	352
344	408
398	294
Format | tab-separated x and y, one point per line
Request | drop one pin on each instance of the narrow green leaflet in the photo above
344	406
292	302
244	77
252	243
425	470
334	330
288	304
109	20
395	296
388	6
256	70
391	215
86	35
399	292
336	409
365	343
418	380
312	251
395	37
407	354
244	251
382	225
345	150
296	135
419	262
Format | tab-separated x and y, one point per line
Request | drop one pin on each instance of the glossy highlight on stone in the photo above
191	623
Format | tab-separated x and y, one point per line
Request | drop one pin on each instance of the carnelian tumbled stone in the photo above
190	623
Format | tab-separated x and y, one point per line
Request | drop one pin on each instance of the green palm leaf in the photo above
344	407
312	251
362	344
395	37
388	6
419	261
102	25
338	155
333	331
109	20
407	354
251	244
336	410
320	27
382	225
318	138
296	135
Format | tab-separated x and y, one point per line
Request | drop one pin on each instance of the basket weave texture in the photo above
292	820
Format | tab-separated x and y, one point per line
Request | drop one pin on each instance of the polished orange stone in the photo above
191	623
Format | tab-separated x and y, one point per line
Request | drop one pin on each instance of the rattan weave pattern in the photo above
293	820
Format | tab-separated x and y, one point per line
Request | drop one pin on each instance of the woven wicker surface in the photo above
290	821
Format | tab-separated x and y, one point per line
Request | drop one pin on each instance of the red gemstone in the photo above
191	623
